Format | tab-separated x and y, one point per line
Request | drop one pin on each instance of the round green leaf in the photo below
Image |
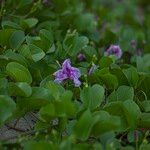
18	72
29	22
123	93
20	89
7	107
92	96
84	125
132	113
36	52
16	39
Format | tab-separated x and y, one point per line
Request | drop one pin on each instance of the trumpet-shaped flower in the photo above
92	69
81	57
114	50
68	72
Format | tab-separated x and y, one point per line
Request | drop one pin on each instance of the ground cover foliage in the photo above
104	103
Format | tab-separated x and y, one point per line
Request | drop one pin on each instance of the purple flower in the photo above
92	69
133	44
81	57
45	1
68	72
114	50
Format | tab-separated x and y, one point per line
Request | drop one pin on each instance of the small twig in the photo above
136	139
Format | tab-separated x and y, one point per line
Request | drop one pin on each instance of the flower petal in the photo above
75	72
57	80
77	82
60	75
114	50
66	64
68	72
81	57
92	69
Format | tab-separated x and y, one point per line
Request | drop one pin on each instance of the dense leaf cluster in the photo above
111	108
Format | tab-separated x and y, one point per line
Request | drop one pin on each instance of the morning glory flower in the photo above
45	1
81	57
68	72
92	69
114	50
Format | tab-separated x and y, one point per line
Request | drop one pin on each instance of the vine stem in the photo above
136	139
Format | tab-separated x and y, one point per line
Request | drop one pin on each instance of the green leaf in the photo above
108	37
98	146
25	51
90	51
40	125
48	112
146	105
84	124
47	38
29	23
16	39
126	36
24	3
85	22
140	64
113	144
30	145
73	43
131	136
132	113
62	124
144	120
39	98
123	93
20	89
92	96
80	43
36	52
116	109
64	106
105	62
56	89
143	85
5	36
143	63
132	76
105	123
7	107
106	137
18	72
122	79
144	147
3	86
10	55
128	148
109	80
128	110
10	24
